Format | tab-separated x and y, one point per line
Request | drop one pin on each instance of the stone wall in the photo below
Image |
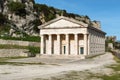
13	53
20	43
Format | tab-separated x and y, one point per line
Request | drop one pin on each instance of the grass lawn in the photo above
4	61
7	46
116	68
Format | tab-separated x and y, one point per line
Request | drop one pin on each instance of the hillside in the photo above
21	17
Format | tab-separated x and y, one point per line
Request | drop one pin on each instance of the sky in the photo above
105	11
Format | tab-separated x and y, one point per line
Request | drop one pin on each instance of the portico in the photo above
64	44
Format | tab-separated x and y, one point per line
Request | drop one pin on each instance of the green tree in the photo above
17	8
3	19
36	23
4	27
49	12
41	8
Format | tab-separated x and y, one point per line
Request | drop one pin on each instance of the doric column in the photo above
76	44
67	44
85	44
88	46
42	44
58	44
50	44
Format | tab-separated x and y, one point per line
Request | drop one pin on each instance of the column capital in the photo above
67	34
85	34
76	33
49	34
41	34
57	34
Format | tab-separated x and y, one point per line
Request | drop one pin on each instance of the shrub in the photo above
3	19
33	50
32	38
49	17
18	8
36	23
49	12
4	29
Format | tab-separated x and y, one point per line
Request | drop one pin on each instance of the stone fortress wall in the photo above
16	52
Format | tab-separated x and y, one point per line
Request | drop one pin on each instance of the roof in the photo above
43	26
65	18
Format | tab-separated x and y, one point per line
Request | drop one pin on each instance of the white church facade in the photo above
66	36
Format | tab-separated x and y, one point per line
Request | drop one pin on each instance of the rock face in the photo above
1	5
18	23
34	15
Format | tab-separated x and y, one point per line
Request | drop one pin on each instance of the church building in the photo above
67	36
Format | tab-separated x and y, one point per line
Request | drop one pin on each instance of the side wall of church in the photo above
96	42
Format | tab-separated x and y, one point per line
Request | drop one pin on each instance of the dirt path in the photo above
30	72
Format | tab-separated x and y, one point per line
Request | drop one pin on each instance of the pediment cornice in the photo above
74	23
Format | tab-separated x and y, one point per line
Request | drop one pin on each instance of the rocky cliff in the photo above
19	17
20	14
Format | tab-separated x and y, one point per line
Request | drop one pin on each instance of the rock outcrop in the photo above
29	15
19	23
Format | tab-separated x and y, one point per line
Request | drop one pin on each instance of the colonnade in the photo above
67	40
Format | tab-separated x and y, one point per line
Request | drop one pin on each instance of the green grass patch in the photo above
26	38
4	61
94	56
112	77
117	59
31	49
115	67
34	50
8	58
20	63
6	73
116	74
7	46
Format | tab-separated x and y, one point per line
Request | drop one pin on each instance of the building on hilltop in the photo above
66	36
111	38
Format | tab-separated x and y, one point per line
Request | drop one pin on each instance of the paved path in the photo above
30	72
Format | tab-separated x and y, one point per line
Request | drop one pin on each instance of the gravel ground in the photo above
52	67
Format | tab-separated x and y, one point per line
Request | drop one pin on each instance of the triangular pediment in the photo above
63	22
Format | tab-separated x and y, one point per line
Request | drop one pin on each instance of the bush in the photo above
33	50
32	38
18	8
36	23
4	29
3	19
49	12
49	17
